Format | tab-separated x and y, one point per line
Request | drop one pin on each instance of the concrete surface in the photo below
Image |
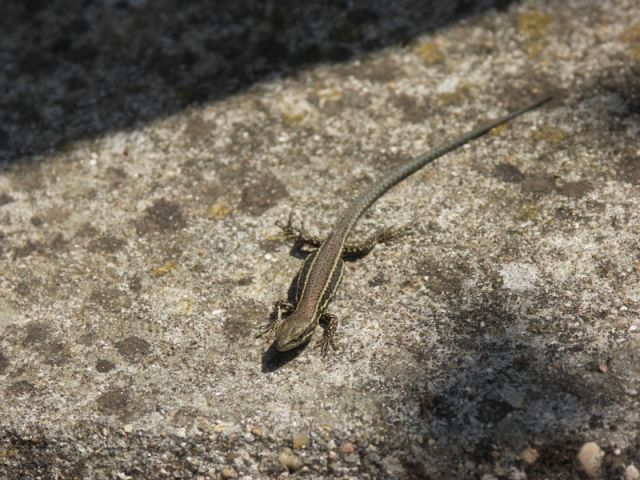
150	147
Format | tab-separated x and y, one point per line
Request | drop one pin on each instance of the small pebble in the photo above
289	459
256	432
631	473
590	457
530	455
300	440
128	428
228	472
347	448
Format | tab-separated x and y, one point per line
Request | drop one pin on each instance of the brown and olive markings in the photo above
321	273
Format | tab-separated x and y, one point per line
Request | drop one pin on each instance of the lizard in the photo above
321	273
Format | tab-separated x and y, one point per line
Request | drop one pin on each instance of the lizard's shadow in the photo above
272	359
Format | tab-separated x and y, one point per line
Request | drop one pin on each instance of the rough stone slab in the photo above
150	147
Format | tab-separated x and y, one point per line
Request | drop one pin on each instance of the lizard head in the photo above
295	331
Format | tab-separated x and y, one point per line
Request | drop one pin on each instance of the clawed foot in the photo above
391	234
298	234
290	232
328	338
280	308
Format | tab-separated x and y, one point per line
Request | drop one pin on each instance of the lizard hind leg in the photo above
384	235
299	234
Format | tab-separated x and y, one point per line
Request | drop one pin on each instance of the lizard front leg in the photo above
279	308
330	324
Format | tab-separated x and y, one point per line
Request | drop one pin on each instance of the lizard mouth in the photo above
286	344
290	345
